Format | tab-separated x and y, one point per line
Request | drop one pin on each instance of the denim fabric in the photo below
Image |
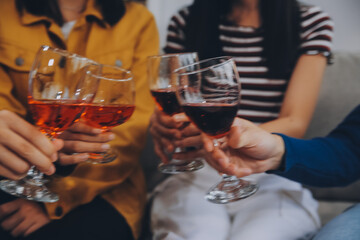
346	226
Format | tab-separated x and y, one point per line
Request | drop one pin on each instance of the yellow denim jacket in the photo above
128	43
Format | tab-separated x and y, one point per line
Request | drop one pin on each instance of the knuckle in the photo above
24	209
76	146
26	150
22	169
79	137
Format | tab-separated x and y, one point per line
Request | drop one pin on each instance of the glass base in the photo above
101	158
179	166
231	189
33	191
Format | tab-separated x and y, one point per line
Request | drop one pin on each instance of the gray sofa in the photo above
340	93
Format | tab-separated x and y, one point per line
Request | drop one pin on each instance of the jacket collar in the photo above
91	11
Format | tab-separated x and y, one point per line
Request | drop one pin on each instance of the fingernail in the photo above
105	147
177	118
111	136
181	117
96	131
51	170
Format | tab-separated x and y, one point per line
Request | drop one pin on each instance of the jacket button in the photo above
58	211
19	61
118	63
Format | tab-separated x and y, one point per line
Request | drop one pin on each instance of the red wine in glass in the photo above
209	92
162	87
214	120
166	101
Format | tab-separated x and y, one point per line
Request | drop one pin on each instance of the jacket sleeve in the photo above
328	161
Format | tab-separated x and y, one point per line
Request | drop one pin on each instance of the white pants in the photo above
280	210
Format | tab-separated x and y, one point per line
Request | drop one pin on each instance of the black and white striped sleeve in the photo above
316	31
175	33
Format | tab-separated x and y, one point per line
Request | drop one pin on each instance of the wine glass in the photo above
162	87
56	97
113	105
209	93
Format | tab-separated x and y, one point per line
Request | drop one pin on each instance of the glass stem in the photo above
218	142
229	177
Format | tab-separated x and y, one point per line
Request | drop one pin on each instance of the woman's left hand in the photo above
22	217
191	139
82	140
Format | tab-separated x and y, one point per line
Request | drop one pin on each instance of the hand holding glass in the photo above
113	105
209	93
56	98
162	87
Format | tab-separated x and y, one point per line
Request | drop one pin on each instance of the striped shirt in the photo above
261	96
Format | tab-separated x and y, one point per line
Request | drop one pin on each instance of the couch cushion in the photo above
340	93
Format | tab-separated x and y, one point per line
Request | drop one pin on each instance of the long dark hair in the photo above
280	23
112	10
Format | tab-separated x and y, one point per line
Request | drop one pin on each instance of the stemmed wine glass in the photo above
113	105
56	97
209	93
162	87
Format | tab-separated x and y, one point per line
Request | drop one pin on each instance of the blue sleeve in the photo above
328	161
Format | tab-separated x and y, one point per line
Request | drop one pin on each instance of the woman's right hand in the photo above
164	130
170	132
23	145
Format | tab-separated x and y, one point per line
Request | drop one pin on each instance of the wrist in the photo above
279	154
